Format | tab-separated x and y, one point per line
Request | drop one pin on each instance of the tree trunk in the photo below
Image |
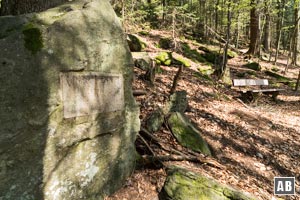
17	7
298	82
163	10
254	29
216	15
295	37
279	27
267	27
225	56
237	31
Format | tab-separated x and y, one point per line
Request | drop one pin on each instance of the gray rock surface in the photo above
44	152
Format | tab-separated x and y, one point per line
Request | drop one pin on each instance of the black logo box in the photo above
284	185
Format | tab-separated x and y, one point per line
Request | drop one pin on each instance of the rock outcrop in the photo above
67	114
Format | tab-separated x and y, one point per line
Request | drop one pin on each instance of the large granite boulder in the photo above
67	114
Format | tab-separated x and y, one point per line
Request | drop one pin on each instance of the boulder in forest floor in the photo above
134	43
178	102
182	184
155	120
254	66
186	134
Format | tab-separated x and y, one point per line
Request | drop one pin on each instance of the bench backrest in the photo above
249	82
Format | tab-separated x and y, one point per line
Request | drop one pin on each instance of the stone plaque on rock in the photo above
86	93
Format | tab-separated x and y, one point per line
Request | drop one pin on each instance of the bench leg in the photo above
274	95
256	97
246	96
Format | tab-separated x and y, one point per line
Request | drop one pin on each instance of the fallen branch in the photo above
298	82
164	158
158	142
149	135
194	157
139	92
241	102
146	143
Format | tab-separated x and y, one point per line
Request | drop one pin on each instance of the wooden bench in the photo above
252	88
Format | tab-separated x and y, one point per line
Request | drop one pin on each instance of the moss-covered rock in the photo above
134	43
253	65
226	77
181	61
165	58
144	33
187	134
182	184
142	60
211	54
192	54
178	103
275	69
277	76
265	57
204	48
206	70
155	120
212	57
165	43
231	54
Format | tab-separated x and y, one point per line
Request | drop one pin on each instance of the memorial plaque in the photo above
86	93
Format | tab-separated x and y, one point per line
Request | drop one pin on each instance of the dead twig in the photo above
241	102
176	78
164	158
192	156
146	143
158	142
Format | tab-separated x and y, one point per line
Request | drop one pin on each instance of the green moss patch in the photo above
181	61
164	58
33	40
165	43
207	70
231	54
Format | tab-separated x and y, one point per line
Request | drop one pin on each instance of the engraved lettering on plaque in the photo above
90	93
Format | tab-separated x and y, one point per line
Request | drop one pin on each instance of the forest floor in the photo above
254	142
